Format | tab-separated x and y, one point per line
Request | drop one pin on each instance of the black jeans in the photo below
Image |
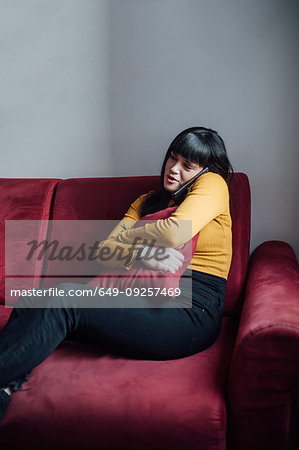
32	334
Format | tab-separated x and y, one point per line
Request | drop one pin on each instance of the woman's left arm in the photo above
109	250
206	200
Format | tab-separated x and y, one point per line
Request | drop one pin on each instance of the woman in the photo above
156	333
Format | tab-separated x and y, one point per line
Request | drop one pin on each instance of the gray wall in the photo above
100	88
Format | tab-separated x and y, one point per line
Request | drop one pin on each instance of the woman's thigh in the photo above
138	327
147	331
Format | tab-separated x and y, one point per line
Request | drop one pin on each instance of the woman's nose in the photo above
175	167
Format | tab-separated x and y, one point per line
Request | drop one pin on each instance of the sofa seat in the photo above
83	397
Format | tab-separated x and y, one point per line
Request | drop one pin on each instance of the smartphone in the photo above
181	193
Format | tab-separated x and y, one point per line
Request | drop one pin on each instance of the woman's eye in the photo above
188	167
172	156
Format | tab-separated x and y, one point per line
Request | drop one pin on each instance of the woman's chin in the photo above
170	188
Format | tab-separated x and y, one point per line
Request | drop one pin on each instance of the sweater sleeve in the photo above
112	253
206	199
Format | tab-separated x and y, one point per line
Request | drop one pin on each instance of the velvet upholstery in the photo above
84	397
265	366
240	210
99	198
24	199
107	401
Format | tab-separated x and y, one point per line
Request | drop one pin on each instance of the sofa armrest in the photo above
265	364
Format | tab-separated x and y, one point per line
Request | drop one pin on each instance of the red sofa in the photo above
235	395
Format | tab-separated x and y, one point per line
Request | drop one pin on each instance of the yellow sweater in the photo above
207	206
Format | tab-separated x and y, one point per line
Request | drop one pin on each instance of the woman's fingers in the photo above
170	260
166	267
173	256
173	260
176	254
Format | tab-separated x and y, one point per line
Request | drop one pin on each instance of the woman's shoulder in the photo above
210	180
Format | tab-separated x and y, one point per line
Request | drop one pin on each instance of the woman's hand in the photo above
157	258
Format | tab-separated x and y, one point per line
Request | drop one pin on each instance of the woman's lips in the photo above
170	179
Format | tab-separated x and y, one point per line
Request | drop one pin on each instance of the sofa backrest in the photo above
109	198
87	200
105	199
240	209
23	199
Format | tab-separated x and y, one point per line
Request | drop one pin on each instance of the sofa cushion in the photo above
88	398
142	277
23	199
99	198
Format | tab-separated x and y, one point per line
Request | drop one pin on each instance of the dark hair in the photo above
197	144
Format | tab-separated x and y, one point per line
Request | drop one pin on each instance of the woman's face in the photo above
178	171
